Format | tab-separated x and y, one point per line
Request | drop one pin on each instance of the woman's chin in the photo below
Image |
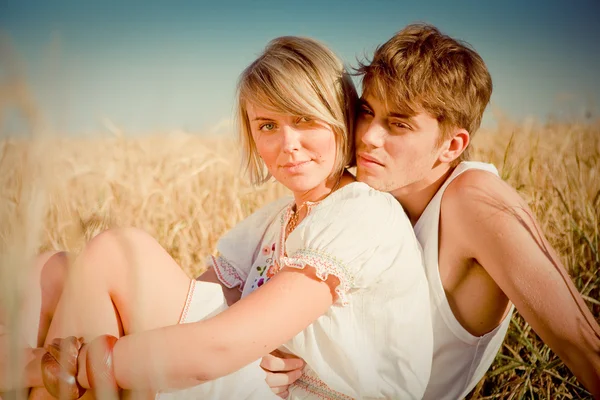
300	187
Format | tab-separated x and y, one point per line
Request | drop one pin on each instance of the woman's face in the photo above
298	151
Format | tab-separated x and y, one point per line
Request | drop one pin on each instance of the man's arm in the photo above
497	228
282	370
232	295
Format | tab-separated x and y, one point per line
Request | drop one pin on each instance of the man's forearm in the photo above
585	365
231	295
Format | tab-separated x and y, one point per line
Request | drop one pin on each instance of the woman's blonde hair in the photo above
297	76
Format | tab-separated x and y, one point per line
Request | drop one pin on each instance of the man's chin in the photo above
369	180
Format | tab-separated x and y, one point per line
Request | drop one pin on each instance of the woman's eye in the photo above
304	119
267	127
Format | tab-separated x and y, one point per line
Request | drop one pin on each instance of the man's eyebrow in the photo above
408	117
395	114
364	102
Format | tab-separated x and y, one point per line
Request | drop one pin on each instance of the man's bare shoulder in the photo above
479	207
481	192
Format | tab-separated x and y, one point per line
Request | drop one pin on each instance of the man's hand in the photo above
282	370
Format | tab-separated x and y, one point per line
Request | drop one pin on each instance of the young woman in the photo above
317	273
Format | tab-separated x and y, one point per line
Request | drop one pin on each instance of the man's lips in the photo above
367	160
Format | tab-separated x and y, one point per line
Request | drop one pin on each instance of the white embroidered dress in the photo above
376	341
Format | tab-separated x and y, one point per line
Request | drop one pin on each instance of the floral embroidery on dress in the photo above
273	269
268	269
268	250
226	272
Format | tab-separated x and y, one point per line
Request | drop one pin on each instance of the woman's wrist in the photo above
69	368
99	366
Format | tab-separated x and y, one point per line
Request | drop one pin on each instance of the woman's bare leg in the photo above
43	289
122	282
53	268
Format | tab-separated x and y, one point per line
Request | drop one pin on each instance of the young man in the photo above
424	94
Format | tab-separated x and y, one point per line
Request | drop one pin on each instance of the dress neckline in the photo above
310	205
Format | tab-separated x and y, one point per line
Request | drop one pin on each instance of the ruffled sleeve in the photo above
238	248
344	232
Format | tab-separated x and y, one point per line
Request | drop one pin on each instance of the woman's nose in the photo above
290	138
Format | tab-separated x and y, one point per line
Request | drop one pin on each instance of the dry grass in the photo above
185	190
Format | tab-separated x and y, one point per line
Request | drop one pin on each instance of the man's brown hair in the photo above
421	69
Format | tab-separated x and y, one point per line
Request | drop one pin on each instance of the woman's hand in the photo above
59	368
282	370
69	367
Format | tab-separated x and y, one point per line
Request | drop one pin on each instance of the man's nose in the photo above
291	139
371	135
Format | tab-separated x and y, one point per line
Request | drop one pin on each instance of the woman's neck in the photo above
323	190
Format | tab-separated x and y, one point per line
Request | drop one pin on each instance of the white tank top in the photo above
460	359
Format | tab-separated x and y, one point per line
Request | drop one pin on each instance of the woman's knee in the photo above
115	250
138	268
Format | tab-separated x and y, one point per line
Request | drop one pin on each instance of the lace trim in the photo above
188	302
226	272
325	265
310	382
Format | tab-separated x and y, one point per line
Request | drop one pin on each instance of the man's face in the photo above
394	151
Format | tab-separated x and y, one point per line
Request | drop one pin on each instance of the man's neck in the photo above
416	196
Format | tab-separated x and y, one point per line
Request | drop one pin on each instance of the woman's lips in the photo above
294	167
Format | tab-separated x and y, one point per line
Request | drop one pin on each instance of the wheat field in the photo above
187	190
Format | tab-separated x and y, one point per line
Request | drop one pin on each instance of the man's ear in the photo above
455	145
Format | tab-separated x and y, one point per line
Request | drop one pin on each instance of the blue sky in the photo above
152	66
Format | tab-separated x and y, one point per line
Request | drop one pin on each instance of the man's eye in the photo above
364	110
266	127
401	125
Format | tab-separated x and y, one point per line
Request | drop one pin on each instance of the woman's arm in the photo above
185	355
